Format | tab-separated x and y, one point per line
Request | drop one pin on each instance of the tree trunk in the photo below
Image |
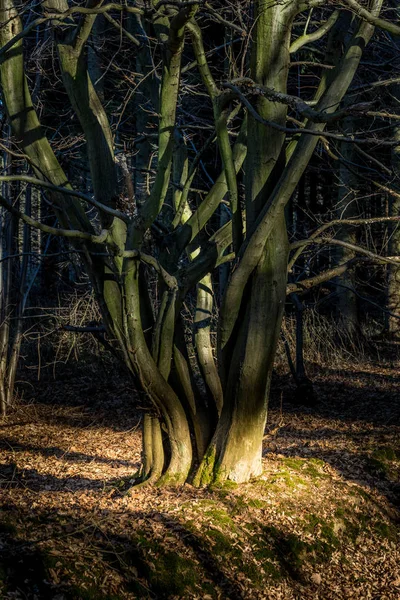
247	359
235	451
394	249
347	208
15	241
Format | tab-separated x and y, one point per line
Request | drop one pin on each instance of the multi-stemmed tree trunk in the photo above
206	420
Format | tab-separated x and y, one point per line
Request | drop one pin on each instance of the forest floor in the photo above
322	522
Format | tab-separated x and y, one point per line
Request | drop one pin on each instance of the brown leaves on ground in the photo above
321	523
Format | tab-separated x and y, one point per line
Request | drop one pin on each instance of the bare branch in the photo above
370	18
223	21
68	233
325	226
68	192
302	107
62	16
170	280
389	190
377	162
374	84
87	329
315	35
306	284
334	136
122	29
393	260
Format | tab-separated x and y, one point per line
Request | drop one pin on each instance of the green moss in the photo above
219	541
206	472
386	530
361	523
173	574
222	544
292	553
262	485
354	523
284	554
264	568
325	531
376	467
380	463
290	480
288	549
386	453
223	488
257	503
219	516
171	480
349	530
360	492
147	564
238	504
265	554
90	593
311	467
294	463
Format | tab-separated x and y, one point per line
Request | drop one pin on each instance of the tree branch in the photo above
393	260
315	35
223	21
68	192
169	94
62	16
370	18
86	329
306	284
302	107
68	233
325	226
334	136
122	29
170	280
221	116
254	246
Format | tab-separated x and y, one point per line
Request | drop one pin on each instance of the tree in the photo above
208	416
394	201
15	283
394	272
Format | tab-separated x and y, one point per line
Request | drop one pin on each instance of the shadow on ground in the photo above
147	566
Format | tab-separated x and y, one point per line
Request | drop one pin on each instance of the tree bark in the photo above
394	249
347	208
235	451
